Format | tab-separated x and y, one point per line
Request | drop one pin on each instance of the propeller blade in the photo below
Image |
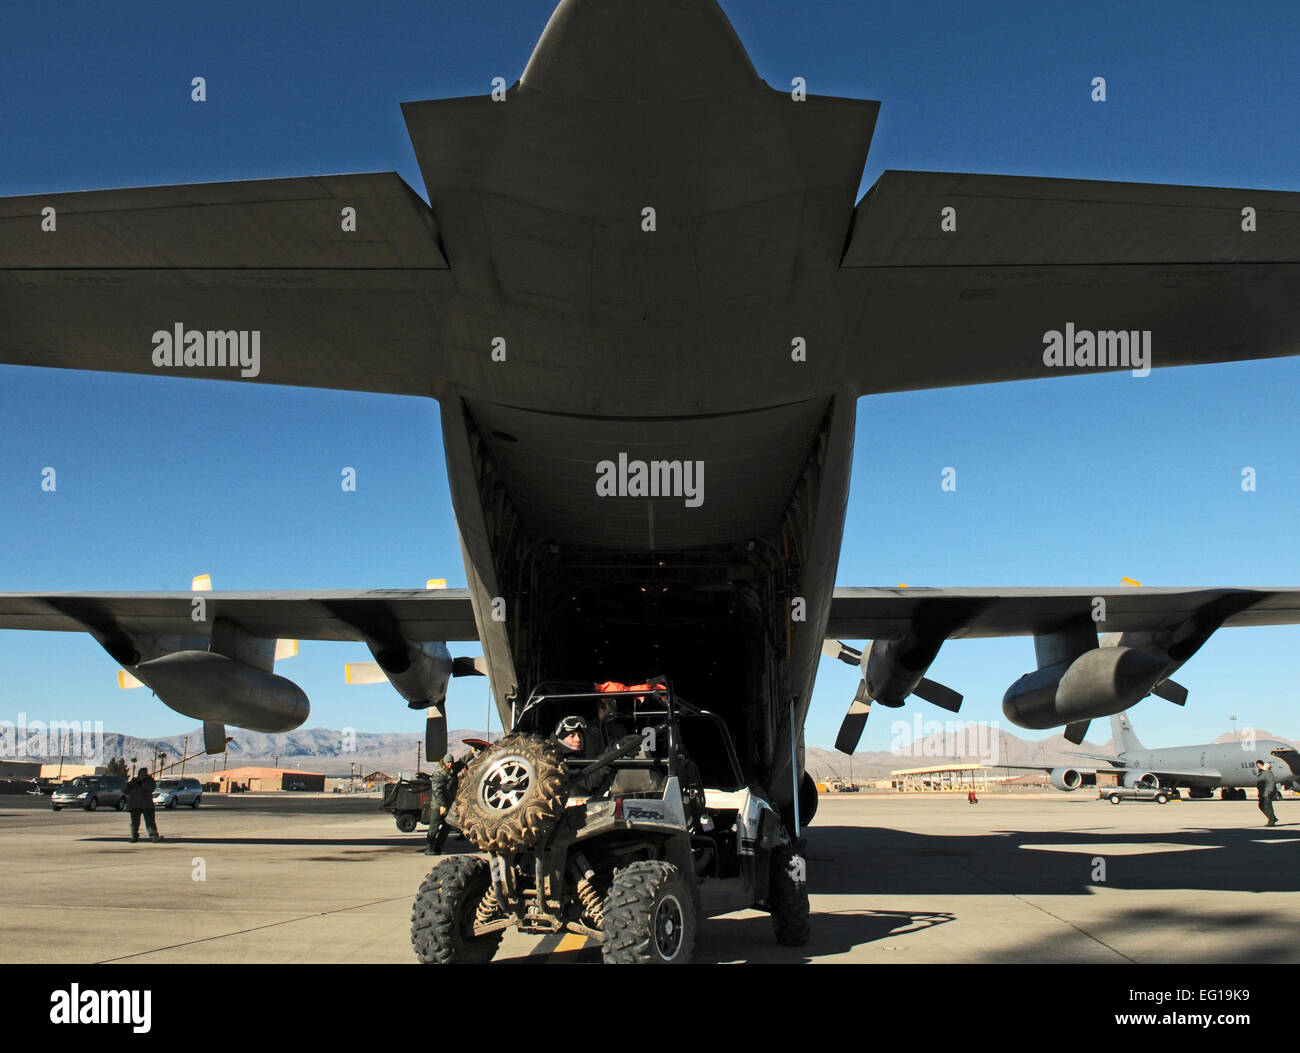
285	649
126	681
435	733
846	654
1076	731
938	695
364	673
469	666
1171	692
855	720
214	737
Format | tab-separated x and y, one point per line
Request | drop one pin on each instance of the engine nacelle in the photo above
420	672
1100	682
1139	779
1066	779
220	690
892	669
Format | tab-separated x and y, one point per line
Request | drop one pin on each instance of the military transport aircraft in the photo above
1226	766
640	213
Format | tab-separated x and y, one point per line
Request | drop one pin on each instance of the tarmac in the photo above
893	878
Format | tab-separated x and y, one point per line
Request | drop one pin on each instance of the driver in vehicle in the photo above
571	734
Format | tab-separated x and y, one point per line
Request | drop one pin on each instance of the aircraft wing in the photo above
417	615
940	307
88	284
879	613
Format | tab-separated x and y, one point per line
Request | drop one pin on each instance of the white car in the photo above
171	792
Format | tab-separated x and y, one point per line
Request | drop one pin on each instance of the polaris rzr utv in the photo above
614	841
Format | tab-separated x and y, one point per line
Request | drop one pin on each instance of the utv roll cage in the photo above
662	726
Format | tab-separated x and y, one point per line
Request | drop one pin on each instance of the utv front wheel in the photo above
512	795
650	916
787	899
442	920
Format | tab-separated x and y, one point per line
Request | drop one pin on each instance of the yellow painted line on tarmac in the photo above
573	941
558	944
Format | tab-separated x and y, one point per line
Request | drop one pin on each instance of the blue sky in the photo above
1070	482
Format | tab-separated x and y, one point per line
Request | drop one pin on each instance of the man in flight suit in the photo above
1266	782
442	791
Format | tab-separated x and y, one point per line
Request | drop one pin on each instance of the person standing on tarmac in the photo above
1267	783
442	791
139	798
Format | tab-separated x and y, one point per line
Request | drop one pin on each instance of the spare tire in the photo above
513	794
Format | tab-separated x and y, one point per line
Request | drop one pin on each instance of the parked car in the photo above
171	792
91	792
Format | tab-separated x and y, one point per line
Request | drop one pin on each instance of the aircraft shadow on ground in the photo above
411	845
880	861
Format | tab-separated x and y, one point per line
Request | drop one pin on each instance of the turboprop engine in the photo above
420	671
1066	779
1077	681
892	670
1098	683
221	690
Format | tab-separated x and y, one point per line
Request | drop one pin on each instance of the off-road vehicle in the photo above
613	843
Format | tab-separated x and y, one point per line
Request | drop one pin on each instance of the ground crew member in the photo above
442	791
1267	783
139	798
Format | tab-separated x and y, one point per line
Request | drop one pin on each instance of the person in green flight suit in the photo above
1266	782
442	791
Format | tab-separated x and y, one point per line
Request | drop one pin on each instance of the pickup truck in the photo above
1161	794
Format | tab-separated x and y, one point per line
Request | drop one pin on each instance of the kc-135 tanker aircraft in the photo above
647	302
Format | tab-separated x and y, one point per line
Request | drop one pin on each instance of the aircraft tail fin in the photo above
1125	737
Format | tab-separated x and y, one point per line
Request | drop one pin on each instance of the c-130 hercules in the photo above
641	264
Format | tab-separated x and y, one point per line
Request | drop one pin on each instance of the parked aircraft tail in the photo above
1126	740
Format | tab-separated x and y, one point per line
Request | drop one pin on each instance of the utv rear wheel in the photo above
512	795
787	899
442	920
406	822
121	804
650	916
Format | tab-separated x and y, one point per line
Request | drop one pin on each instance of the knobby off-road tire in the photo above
512	795
650	916
442	919
787	899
